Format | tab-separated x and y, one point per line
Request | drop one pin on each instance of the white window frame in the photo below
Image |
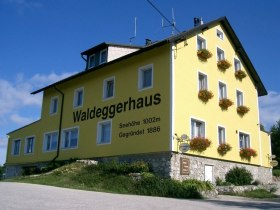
235	60
223	52
99	132
239	92
62	144
205	78
193	133
76	94
52	109
203	41
224	96
223	139
100	56
26	145
105	88
13	147
141	71
245	144
220	34
45	143
93	56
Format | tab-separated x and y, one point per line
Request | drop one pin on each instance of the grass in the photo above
115	178
259	193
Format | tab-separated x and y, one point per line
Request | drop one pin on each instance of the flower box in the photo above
240	74
199	144
223	149
247	153
204	54
242	110
224	64
205	95
225	103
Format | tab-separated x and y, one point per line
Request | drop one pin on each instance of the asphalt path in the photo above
32	196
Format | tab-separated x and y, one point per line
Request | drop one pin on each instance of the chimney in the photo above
197	21
148	42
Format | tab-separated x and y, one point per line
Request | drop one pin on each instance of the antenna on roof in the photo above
164	17
135	26
172	24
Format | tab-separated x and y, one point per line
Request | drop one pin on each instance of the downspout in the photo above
60	123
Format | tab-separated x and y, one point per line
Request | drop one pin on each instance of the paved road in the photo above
31	196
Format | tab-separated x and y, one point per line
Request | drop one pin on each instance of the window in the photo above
220	54
16	147
220	34
201	43
202	79
222	91
70	138
54	105
91	61
237	64
239	98
244	140
78	97
29	145
221	135
145	77
103	56
104	130
50	141
197	128
109	88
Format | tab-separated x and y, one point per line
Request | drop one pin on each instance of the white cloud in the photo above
3	142
269	109
22	5
21	120
16	95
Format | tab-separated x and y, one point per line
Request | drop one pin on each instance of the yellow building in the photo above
162	103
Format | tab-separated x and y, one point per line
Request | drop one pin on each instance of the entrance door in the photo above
208	173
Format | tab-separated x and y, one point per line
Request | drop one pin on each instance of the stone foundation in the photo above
168	164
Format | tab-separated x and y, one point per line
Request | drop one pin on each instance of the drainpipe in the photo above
60	123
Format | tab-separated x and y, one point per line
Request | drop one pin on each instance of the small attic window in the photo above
91	61
103	56
220	34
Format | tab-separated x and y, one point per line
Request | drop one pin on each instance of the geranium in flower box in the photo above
242	110
205	95
247	153
223	148
225	103
224	64
240	74
199	144
204	54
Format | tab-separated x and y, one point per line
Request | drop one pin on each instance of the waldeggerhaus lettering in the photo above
110	111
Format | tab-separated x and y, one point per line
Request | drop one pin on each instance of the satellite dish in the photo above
184	136
274	163
184	147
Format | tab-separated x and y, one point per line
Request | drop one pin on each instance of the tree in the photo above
1	171
275	140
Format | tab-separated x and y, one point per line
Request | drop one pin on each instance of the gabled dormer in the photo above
106	52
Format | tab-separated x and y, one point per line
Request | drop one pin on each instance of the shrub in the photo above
199	185
276	172
220	182
121	168
239	176
30	170
156	186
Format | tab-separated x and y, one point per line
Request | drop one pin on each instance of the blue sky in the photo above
41	41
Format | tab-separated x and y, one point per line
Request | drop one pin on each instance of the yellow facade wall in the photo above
188	105
266	149
153	120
